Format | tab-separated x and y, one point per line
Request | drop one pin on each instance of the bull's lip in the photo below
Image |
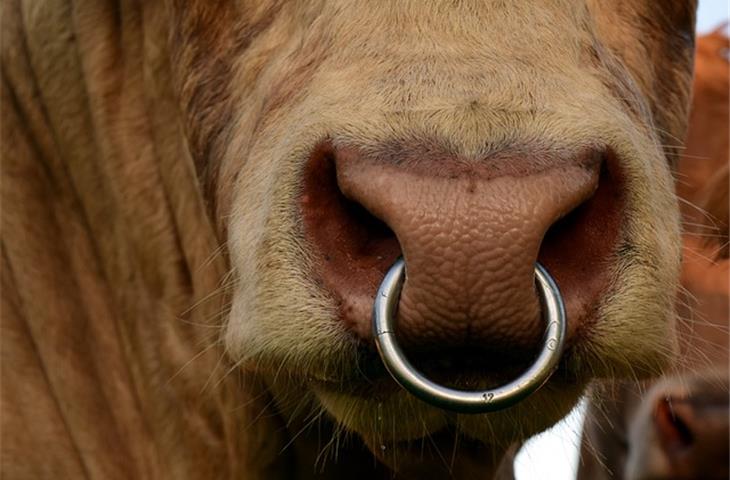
372	381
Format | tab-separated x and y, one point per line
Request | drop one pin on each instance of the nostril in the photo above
578	249
376	236
673	427
352	248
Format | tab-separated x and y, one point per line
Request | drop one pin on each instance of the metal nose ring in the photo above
384	327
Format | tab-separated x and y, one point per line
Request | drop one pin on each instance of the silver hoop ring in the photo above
384	327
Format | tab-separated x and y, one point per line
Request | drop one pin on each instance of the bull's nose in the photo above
470	233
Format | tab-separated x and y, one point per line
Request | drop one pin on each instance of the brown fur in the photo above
153	267
618	437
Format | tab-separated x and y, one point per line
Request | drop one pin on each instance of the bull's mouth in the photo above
458	368
353	249
468	369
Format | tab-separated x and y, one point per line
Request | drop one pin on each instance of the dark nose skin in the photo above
470	233
693	431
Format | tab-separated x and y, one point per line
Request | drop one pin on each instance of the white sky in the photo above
554	454
712	13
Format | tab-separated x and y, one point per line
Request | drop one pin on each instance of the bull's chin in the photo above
413	439
395	423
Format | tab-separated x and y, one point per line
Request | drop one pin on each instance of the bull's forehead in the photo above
410	56
412	51
400	29
476	65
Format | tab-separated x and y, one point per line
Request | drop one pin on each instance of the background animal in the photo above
199	198
678	426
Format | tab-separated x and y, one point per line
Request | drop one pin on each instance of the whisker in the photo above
185	365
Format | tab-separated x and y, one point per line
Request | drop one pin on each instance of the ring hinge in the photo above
384	328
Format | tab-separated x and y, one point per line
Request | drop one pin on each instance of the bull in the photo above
201	198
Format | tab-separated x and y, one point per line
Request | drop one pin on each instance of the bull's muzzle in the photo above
384	327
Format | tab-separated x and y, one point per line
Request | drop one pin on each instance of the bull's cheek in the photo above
397	418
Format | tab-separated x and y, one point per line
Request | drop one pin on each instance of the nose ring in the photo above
384	328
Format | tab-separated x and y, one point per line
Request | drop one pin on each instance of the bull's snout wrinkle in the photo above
470	232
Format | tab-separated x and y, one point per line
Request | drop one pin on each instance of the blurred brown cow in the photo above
678	427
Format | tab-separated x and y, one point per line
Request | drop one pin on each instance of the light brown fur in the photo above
153	264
